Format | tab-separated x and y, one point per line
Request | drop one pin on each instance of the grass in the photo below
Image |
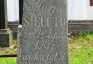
8	61
9	50
80	50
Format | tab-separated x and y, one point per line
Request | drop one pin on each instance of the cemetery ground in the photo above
80	50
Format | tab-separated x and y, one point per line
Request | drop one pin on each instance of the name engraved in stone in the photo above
44	22
44	8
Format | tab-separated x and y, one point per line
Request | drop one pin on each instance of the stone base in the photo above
14	27
80	25
5	37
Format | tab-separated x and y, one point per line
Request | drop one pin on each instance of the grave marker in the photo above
43	37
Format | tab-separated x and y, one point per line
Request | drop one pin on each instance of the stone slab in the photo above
43	38
14	27
5	37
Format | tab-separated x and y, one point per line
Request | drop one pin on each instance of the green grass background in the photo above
80	50
8	61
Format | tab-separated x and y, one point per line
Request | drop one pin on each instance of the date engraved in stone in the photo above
49	35
45	45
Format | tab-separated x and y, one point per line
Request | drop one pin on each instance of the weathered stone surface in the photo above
43	38
5	37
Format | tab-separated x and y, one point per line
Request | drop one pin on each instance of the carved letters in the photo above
44	22
41	57
44	36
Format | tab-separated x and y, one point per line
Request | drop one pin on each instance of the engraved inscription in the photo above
41	57
45	44
44	22
44	32
44	8
49	35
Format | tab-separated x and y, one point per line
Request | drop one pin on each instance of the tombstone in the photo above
43	38
5	32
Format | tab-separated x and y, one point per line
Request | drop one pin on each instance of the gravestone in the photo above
43	38
5	32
